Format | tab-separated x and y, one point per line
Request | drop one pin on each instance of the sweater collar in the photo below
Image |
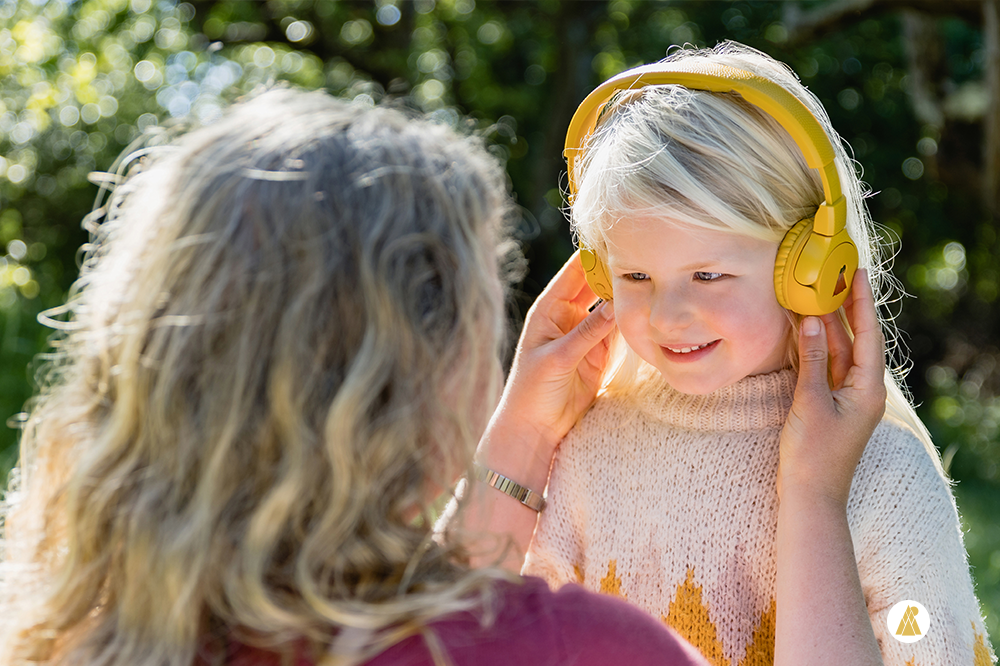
753	403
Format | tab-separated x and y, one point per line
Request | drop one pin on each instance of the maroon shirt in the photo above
536	627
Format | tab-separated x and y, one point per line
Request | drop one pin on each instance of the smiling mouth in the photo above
689	350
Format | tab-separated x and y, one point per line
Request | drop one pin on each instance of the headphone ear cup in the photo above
784	262
813	272
597	274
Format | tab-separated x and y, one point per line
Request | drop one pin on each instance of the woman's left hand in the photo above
833	415
837	404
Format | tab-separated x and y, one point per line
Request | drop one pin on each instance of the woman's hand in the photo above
560	357
834	413
836	405
553	381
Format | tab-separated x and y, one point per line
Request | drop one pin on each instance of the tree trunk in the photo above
925	67
991	129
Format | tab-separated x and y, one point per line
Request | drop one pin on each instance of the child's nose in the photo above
671	310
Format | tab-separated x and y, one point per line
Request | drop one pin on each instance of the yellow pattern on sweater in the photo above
979	650
689	618
760	652
612	584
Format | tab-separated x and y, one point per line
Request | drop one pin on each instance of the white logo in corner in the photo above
908	621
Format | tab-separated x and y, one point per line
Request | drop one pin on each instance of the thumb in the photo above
813	356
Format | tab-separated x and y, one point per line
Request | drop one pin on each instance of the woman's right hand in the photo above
554	379
560	357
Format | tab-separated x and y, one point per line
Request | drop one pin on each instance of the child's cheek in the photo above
631	315
757	328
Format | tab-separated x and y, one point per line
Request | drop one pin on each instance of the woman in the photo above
282	346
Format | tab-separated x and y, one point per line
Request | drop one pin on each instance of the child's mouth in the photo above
689	353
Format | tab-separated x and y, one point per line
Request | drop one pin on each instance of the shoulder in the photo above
901	510
532	624
903	517
898	461
592	443
610	411
600	629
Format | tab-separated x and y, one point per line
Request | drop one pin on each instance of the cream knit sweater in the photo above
668	501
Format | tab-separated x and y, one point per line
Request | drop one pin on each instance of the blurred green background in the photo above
912	85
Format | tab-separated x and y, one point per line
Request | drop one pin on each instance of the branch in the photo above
805	25
926	67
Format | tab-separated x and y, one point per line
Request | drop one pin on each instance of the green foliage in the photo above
80	80
980	504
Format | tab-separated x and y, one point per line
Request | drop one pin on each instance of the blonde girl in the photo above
669	492
283	344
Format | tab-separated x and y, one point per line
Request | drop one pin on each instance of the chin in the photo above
693	386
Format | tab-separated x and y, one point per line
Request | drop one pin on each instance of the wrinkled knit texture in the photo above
668	501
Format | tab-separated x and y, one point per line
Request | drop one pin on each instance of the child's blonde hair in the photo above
284	340
715	161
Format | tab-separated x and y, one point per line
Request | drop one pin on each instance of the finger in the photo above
812	383
586	298
569	284
561	305
592	365
869	343
586	335
841	348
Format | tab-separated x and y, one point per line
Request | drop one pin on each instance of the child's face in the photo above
710	293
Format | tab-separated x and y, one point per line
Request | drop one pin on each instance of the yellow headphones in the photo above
817	258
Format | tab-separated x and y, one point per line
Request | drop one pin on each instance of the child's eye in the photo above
703	276
636	277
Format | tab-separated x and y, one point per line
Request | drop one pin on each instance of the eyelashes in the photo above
699	276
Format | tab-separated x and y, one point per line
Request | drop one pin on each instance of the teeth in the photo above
688	350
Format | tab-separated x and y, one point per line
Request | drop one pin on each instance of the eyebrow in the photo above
695	266
706	264
715	264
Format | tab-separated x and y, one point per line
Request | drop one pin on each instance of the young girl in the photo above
664	494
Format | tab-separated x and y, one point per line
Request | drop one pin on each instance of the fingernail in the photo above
608	309
811	326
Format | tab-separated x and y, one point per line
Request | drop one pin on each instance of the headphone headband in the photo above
787	109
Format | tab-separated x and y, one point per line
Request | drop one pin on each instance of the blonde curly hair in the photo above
283	341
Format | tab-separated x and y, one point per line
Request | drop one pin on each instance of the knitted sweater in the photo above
668	501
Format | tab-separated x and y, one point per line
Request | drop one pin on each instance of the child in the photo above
664	493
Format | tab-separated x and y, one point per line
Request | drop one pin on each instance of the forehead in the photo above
648	238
